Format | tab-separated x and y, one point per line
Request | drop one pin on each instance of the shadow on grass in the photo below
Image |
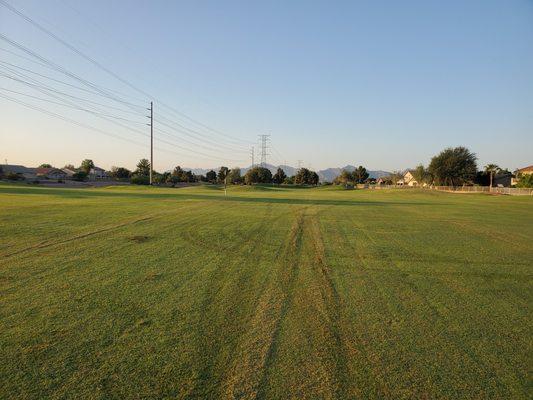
184	195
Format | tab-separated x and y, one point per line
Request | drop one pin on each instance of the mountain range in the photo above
326	175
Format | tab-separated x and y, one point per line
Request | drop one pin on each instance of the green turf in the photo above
267	293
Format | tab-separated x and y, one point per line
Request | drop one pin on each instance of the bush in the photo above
14	177
79	176
140	180
525	181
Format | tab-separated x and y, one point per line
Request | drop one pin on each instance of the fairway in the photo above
266	293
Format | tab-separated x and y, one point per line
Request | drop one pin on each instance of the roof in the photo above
17	169
97	169
526	169
46	171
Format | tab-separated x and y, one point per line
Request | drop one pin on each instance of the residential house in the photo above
69	172
51	173
409	179
98	173
521	171
20	170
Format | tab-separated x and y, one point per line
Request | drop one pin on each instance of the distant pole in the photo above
300	162
252	157
151	140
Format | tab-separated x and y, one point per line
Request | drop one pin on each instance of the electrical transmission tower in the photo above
264	148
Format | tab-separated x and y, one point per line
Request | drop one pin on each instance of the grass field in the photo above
268	293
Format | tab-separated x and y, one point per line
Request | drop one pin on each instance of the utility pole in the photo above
264	147
151	141
300	162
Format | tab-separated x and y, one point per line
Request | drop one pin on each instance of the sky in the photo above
384	84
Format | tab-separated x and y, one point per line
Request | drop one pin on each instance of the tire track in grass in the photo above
46	244
252	246
449	337
249	376
488	368
332	303
371	368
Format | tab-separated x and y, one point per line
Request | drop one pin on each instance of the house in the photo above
98	173
20	170
409	179
521	171
51	173
68	172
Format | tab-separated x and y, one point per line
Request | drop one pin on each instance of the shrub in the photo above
140	180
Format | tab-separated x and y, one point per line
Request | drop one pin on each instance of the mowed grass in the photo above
268	293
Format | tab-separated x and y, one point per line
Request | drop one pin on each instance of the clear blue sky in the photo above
386	84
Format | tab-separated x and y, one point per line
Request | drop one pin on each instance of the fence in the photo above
458	189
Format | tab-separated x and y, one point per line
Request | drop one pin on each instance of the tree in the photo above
453	166
211	176
289	180
86	166
70	166
344	178
525	181
360	174
491	169
279	177
222	173
45	166
234	176
306	177
258	175
1	172
420	174
79	176
143	168
120	173
394	177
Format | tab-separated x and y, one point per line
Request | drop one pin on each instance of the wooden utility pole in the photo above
151	141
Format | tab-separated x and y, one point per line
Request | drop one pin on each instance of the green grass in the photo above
267	293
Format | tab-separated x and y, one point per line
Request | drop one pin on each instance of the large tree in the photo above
45	165
211	176
279	176
453	166
222	173
306	177
360	175
420	174
491	170
258	175
143	168
234	176
344	178
120	172
86	166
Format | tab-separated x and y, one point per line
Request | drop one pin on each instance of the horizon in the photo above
354	84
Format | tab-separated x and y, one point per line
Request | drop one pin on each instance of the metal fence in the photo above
459	189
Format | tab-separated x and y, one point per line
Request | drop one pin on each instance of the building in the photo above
521	171
409	179
50	173
98	173
69	172
20	170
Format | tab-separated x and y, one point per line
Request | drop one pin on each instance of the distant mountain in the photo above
325	175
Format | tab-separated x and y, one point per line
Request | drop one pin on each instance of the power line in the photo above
68	84
102	67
